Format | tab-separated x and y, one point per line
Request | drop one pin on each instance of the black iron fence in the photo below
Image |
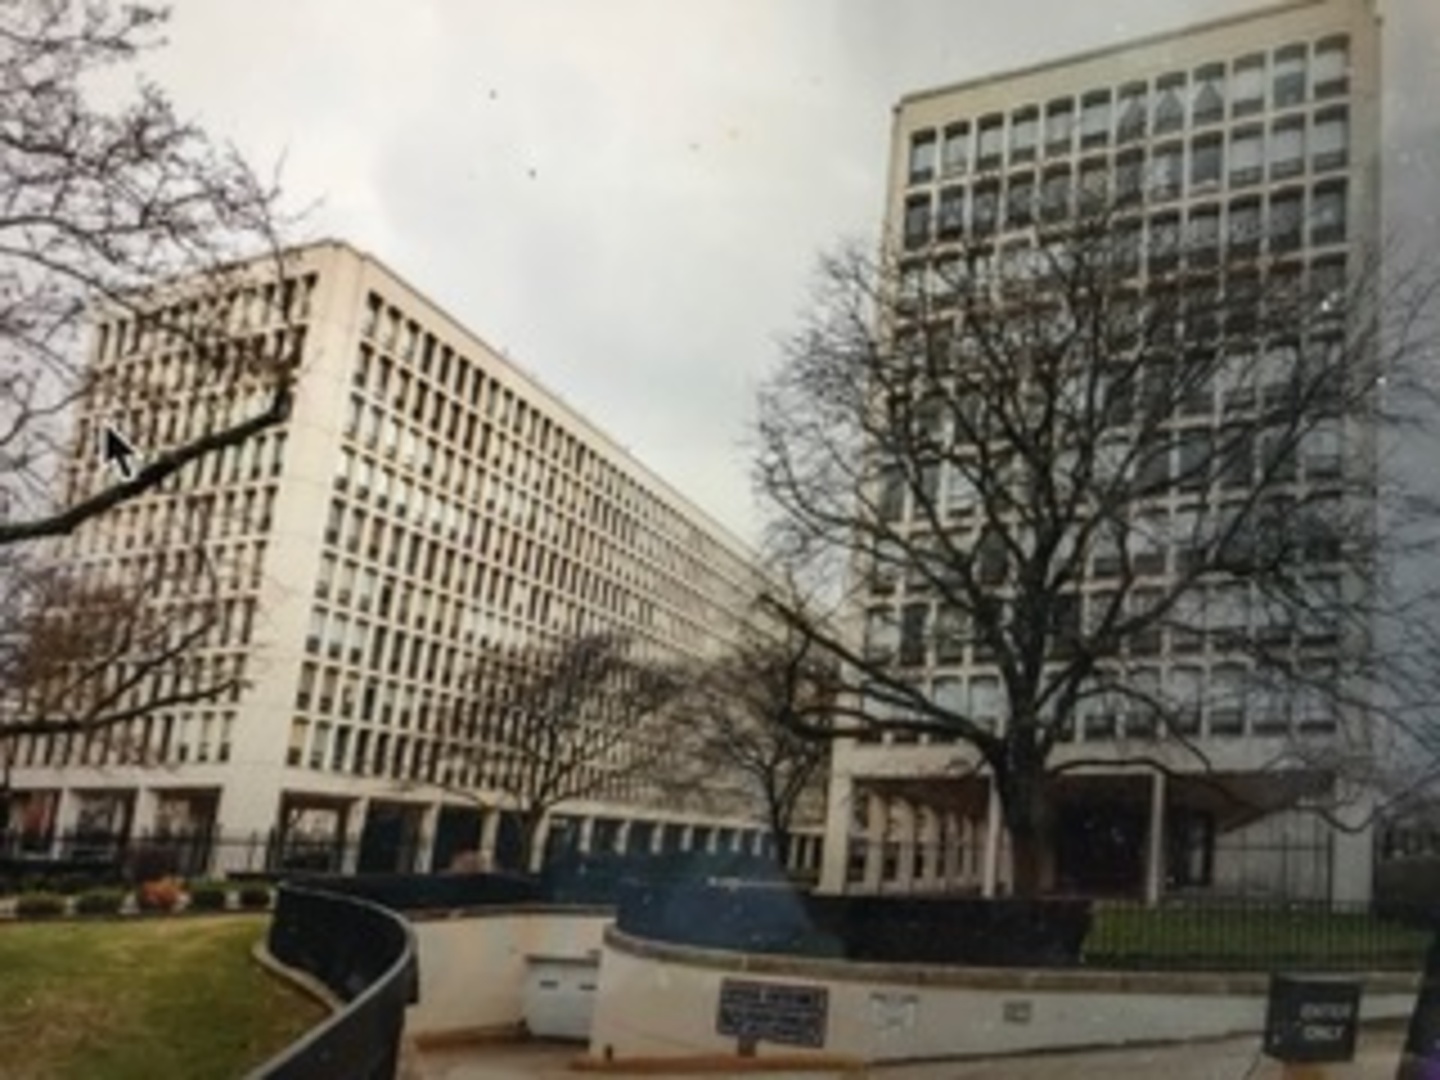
366	956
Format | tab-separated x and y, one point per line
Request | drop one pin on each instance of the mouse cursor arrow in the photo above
118	452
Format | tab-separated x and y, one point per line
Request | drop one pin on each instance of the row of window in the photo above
1221	701
1288	77
155	739
986	211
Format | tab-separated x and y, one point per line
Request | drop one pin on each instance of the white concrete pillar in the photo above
489	835
901	835
876	819
1155	847
622	835
354	829
425	838
537	850
839	817
587	834
989	870
949	851
1352	853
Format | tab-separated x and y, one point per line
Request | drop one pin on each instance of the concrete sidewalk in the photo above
1227	1059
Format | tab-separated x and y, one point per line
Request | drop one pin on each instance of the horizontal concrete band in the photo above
1228	984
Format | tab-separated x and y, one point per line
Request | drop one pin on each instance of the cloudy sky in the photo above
627	196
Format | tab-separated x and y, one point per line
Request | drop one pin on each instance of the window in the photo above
1095	119
1055	196
1209	94
1287	212
1024	130
1020	206
1332	67
922	157
986	208
1170	103
1244	225
917	221
952	631
1320	450
955	150
1328	210
1247	147
1167	171
1289	76
991	145
1131	108
1094	187
1129	177
914	627
1249	86
952	212
1204	235
1330	141
1059	127
1287	148
882	634
1206	160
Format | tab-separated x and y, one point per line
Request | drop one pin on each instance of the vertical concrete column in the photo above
489	835
587	834
875	821
537	850
425	838
989	869
1155	847
622	836
142	812
353	825
1352	852
839	830
949	851
902	834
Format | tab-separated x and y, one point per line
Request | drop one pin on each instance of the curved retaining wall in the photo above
660	999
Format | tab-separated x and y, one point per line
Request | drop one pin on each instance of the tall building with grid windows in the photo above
424	506
1252	140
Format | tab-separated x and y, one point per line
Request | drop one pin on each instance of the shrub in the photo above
162	894
99	902
39	905
72	883
32	883
254	897
209	896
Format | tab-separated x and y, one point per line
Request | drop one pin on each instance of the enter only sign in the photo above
1311	1021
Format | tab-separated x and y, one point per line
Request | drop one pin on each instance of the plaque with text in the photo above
786	1013
1310	1020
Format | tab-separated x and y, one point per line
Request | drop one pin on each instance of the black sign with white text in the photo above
785	1013
1311	1020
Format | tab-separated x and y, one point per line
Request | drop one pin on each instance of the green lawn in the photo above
1238	939
141	998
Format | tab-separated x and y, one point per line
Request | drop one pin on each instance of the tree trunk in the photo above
1027	805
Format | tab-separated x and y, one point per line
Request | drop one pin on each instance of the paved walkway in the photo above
1227	1059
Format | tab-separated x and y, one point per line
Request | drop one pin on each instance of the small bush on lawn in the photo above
162	894
99	902
208	896
254	897
151	862
39	905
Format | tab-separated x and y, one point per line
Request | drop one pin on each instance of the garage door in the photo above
560	997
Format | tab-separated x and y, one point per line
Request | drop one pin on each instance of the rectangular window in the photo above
986	208
1094	187
1328	214
1059	127
1130	177
922	157
1206	161
992	130
1095	119
1247	148
917	221
1244	233
1020	205
1167	171
1024	131
1249	86
955	151
1330	141
952	212
1170	103
1209	94
1289	78
1287	148
1055	196
1132	107
1332	67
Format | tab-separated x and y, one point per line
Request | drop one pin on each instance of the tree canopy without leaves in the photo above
100	206
744	724
579	719
1065	461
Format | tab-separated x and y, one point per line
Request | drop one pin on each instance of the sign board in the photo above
1311	1020
794	1015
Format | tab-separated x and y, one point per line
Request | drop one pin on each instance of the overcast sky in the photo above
626	196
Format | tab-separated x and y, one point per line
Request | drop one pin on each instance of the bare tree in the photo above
580	719
745	724
100	208
1065	462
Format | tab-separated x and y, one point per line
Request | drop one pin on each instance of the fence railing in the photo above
366	956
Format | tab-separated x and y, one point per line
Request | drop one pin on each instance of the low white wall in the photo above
660	1000
473	966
